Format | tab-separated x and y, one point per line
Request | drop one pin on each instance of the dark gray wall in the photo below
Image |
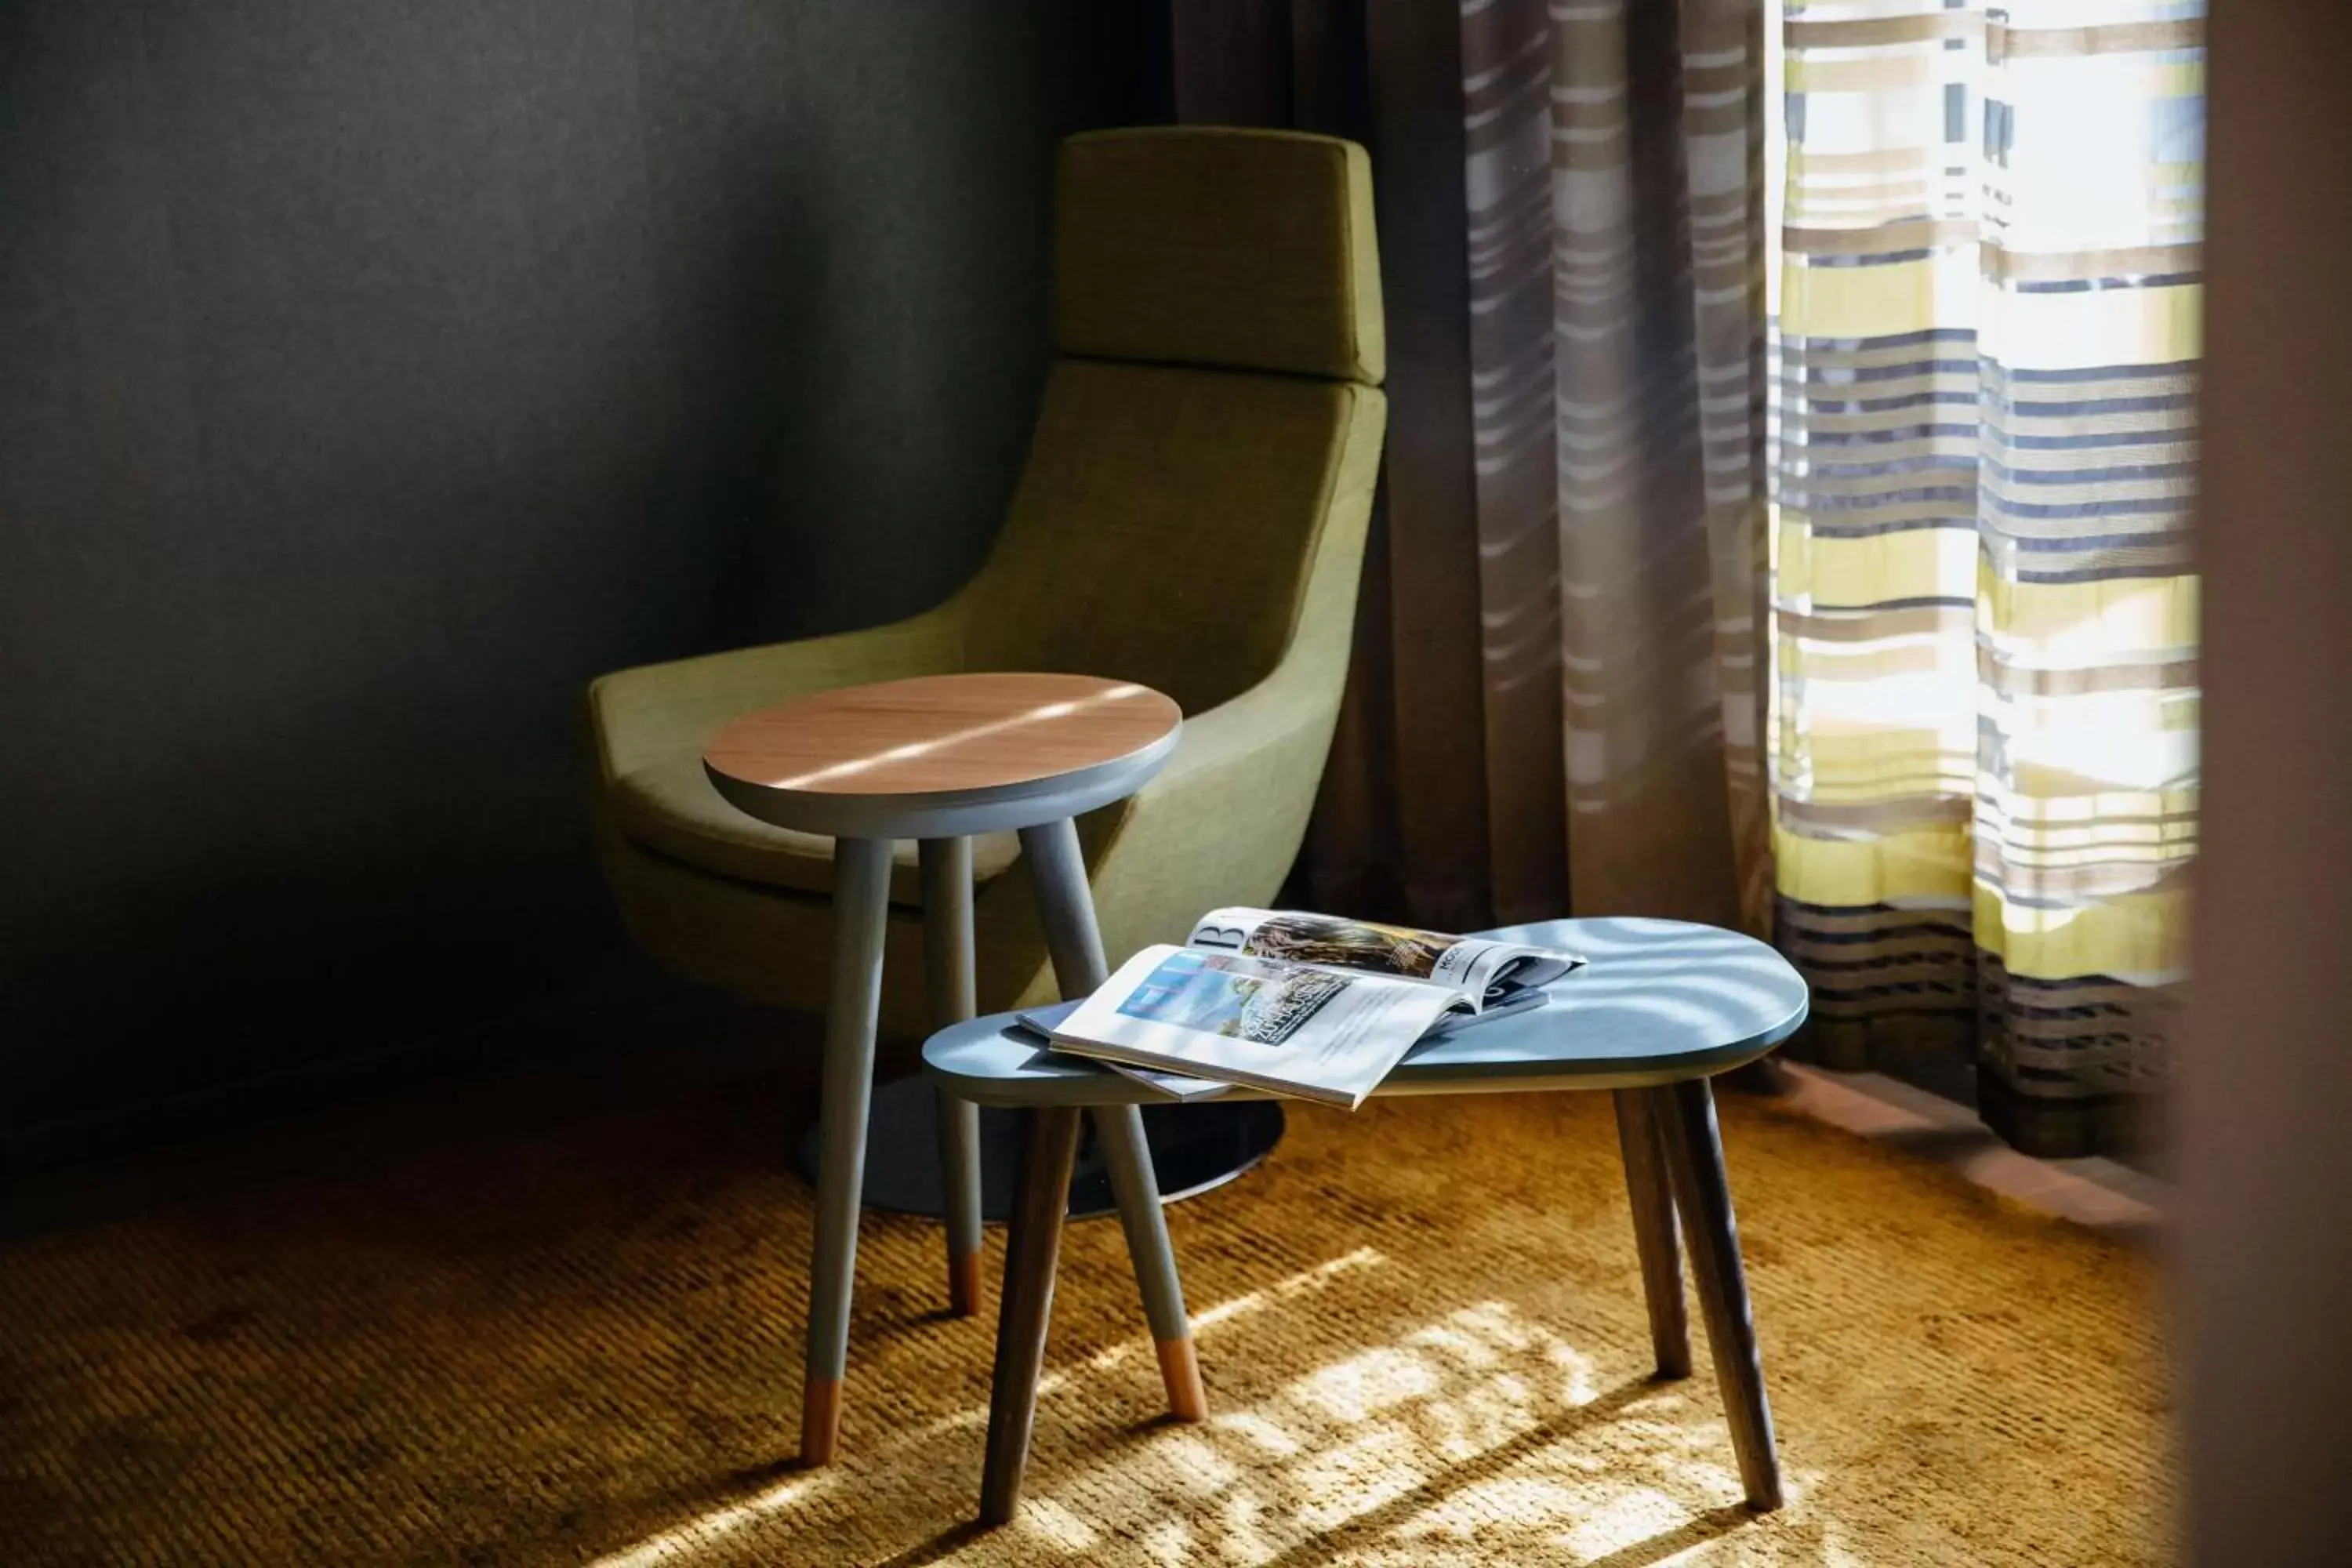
374	373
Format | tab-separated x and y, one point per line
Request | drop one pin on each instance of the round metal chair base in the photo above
1194	1149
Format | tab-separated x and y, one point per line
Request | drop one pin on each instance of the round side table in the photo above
937	759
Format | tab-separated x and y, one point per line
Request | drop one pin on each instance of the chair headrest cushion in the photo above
1203	245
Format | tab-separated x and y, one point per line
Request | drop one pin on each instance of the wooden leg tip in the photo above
820	1422
965	1291
1180	1369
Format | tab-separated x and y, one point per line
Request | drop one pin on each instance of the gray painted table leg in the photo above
1652	1191
1067	908
948	977
1041	1201
1686	1113
861	891
1118	1132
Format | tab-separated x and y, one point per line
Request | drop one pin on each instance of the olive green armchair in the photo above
1191	517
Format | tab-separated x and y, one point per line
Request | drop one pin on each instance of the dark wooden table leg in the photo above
1684	1112
1049	1146
1652	1191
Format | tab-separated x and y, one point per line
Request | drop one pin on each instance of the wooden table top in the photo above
937	738
1659	1001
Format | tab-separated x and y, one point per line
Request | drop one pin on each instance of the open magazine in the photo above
1314	1006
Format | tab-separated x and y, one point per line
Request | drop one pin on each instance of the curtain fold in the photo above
1556	704
1984	739
1616	252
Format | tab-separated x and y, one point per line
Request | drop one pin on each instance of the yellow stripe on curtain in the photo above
1914	866
2138	938
2073	624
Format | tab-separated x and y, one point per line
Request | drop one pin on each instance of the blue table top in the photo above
1658	1001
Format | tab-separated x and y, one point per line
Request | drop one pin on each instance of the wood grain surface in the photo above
941	732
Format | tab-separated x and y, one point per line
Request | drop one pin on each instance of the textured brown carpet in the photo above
1422	1327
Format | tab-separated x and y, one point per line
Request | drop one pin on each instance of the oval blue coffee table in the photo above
1663	1006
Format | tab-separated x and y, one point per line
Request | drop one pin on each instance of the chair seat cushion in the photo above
670	807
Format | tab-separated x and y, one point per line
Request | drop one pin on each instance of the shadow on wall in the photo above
380	374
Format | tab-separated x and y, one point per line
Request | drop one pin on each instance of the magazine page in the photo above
1289	1028
1489	970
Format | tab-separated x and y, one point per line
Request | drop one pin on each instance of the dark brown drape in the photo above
1553	707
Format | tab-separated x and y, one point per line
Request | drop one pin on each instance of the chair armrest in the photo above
1294	704
652	712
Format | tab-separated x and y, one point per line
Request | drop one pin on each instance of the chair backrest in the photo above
1209	433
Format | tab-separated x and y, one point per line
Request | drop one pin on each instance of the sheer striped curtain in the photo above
1983	728
1882	641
